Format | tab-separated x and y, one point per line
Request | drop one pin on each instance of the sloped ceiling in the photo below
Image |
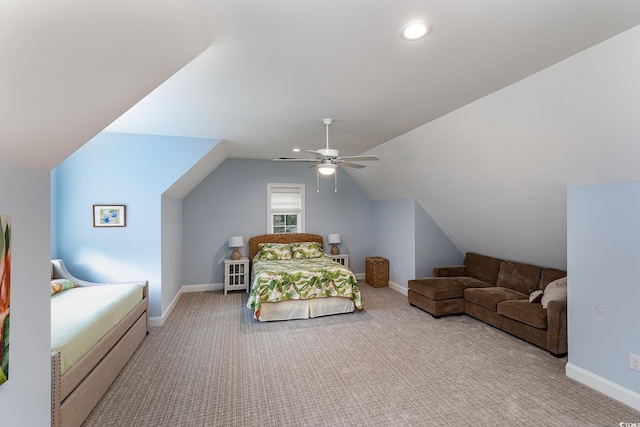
494	174
275	69
69	68
266	72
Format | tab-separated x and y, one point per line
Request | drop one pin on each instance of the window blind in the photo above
286	200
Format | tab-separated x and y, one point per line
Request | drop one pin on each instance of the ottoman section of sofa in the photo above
439	296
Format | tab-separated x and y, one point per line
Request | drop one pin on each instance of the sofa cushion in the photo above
491	297
482	267
555	290
518	276
470	282
451	271
438	288
525	312
548	275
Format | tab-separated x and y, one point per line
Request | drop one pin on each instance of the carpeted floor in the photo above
390	364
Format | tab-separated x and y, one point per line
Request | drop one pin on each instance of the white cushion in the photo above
555	290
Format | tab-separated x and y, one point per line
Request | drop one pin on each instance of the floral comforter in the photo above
283	280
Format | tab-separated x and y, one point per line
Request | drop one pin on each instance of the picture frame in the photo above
109	216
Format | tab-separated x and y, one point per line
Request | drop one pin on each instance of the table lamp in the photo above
335	239
236	242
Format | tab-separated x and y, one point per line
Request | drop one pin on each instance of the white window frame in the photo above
295	187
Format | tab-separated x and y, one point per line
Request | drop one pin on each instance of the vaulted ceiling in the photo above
262	74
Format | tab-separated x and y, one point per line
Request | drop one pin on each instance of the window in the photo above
285	208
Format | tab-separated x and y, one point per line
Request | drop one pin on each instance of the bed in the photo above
305	283
95	329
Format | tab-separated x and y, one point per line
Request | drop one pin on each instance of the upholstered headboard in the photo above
281	238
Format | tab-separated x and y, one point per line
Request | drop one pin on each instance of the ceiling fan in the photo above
328	159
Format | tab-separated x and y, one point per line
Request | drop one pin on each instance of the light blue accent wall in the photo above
603	237
394	237
133	170
232	200
433	247
172	249
25	399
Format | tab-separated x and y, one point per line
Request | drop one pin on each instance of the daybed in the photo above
116	325
292	278
504	294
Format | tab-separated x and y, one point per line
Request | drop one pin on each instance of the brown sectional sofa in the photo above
497	292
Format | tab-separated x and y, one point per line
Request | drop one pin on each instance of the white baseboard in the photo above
396	287
604	386
159	321
203	288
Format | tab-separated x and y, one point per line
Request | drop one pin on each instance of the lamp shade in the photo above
335	238
236	241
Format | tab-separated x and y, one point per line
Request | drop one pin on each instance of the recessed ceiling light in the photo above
415	30
296	150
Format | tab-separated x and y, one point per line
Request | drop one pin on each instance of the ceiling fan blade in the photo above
350	165
292	159
360	158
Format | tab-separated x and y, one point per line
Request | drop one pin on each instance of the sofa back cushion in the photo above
482	267
520	277
548	275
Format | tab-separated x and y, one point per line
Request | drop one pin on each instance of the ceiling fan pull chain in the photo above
317	181
335	181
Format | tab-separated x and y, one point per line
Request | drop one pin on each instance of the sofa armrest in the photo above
557	327
451	271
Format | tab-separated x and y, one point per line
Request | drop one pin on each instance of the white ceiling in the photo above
266	73
68	68
273	69
276	68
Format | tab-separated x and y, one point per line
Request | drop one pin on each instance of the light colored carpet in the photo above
391	364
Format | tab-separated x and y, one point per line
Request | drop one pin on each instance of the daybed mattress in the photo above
80	317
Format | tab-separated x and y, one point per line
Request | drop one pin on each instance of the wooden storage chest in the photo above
377	271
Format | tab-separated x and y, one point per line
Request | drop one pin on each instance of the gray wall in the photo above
412	242
394	237
433	247
172	249
25	399
232	200
603	292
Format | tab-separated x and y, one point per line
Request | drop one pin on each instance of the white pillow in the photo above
554	291
536	296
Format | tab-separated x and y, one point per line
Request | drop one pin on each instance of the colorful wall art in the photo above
5	285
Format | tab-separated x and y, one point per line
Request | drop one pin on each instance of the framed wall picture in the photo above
109	216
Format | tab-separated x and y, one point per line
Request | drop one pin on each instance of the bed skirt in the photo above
304	309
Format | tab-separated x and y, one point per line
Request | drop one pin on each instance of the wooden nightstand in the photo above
236	274
341	258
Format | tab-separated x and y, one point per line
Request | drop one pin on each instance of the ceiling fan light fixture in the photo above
327	168
415	30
